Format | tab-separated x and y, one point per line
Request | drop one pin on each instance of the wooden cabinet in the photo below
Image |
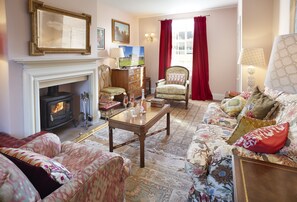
259	181
132	79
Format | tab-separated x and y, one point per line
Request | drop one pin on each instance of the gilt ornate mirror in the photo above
55	30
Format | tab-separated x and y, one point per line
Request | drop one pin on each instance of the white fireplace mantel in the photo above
40	73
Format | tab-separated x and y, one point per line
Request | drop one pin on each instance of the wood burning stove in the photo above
56	108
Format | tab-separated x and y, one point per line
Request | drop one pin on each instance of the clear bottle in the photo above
142	103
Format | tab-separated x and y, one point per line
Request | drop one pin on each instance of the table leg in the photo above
141	140
168	124
110	140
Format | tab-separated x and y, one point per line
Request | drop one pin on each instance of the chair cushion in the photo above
112	90
176	78
14	185
173	89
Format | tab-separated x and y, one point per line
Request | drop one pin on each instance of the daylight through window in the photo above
182	43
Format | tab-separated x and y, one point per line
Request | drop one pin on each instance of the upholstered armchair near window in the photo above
175	86
105	85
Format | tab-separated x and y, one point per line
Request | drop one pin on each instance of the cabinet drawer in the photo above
134	77
134	71
134	85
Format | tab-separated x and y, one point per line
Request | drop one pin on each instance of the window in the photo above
182	43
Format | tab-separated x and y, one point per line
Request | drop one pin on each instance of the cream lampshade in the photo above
252	57
282	68
117	53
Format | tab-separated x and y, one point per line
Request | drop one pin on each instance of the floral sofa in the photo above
209	157
88	173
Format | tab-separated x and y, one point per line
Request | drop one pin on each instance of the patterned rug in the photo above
163	178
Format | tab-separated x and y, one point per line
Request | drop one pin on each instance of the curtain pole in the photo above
185	17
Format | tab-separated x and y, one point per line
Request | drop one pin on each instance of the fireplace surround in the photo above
41	73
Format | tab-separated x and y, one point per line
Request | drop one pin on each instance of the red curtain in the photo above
200	72
165	51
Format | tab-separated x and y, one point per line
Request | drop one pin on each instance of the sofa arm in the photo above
7	140
98	181
98	175
272	158
48	144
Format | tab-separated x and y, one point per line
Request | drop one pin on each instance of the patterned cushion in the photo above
37	176
113	90
207	138
287	113
222	121
54	169
14	185
172	89
247	124
233	106
245	94
176	78
202	159
259	106
268	139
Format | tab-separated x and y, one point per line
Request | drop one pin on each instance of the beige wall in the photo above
18	32
284	17
105	14
257	32
221	33
4	81
262	21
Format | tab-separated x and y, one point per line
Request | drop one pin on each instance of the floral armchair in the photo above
175	86
97	175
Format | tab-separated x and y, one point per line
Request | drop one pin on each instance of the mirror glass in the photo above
58	31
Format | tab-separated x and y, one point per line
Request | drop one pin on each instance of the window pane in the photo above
189	47
182	43
189	35
181	35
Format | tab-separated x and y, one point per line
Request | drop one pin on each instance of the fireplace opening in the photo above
56	108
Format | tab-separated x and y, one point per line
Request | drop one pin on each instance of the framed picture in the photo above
100	38
120	32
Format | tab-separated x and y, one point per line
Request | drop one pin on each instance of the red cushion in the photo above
269	139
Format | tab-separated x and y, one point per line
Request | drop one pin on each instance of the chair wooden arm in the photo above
160	82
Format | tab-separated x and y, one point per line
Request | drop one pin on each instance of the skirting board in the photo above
216	96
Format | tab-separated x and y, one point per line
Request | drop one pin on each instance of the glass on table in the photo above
125	101
132	100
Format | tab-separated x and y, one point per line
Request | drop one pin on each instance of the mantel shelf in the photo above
31	60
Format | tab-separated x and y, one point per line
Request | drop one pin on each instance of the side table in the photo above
258	181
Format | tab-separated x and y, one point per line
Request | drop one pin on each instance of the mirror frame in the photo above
35	50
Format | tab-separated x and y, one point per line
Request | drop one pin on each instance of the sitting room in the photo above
108	100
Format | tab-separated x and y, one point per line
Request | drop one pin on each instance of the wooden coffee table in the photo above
139	125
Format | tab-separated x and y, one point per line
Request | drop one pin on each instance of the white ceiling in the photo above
149	8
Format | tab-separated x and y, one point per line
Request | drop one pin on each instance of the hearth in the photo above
56	108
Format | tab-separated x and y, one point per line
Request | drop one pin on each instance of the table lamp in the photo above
117	53
251	57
